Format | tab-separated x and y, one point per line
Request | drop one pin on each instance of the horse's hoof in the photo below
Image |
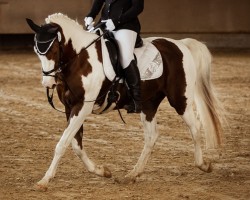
125	180
210	168
102	171
107	173
40	187
206	167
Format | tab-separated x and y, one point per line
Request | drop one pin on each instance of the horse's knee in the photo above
151	141
60	149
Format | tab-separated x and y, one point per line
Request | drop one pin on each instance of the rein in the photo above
50	100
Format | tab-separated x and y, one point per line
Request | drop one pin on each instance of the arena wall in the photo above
220	23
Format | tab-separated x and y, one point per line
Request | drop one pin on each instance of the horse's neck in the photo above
82	40
72	31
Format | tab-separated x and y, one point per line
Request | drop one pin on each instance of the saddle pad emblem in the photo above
153	68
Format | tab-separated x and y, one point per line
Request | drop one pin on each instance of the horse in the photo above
72	62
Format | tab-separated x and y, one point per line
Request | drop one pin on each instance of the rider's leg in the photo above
126	40
133	80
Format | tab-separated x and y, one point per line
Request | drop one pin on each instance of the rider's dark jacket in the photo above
124	13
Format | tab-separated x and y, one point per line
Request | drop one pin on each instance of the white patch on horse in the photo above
93	81
79	38
150	136
83	156
189	69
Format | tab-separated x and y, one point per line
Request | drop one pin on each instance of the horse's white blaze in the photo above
47	65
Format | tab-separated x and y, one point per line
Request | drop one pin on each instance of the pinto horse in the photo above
72	63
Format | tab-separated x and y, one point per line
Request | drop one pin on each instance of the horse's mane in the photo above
72	30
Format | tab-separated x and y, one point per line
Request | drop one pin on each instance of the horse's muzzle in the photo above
52	87
48	82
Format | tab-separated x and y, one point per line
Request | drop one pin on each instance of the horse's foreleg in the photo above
78	114
150	137
194	126
90	165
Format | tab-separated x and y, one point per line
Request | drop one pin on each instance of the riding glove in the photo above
89	23
110	25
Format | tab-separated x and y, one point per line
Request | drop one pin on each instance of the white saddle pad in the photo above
149	61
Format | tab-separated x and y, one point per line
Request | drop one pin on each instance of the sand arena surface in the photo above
30	129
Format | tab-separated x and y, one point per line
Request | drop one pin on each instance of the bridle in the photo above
51	42
44	42
61	64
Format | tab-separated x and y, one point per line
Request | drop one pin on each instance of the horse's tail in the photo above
209	108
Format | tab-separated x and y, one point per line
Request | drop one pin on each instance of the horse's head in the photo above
47	47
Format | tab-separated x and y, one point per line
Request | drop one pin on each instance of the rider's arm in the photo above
136	8
96	7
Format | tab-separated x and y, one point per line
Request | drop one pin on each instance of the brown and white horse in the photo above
78	75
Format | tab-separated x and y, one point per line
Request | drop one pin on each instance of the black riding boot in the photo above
132	77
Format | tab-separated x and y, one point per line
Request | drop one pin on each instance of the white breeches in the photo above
126	40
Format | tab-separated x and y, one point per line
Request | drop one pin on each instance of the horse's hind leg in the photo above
80	152
194	126
150	136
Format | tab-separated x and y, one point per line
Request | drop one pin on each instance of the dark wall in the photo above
221	23
196	16
14	12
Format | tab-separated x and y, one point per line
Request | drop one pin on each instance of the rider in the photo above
121	17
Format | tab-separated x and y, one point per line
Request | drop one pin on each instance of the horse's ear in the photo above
33	26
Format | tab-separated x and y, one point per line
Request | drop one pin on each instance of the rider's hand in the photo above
109	24
89	23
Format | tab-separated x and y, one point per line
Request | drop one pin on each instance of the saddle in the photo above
114	52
